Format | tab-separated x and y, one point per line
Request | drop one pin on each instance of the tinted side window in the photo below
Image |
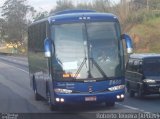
31	37
36	36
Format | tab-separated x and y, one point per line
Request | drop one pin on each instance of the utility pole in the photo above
124	4
147	5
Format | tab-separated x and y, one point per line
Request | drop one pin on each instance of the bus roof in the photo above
78	16
144	55
73	11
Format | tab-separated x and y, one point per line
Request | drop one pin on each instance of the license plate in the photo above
93	98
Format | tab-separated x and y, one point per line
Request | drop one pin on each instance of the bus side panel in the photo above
38	64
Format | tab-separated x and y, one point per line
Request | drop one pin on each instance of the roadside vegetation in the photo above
139	18
146	36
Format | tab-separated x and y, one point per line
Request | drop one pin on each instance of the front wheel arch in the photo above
50	102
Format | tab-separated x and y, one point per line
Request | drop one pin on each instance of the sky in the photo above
47	5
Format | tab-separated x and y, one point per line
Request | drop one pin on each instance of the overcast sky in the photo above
47	5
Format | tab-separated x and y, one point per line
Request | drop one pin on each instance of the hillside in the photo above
146	36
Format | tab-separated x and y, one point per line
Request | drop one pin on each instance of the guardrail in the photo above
3	53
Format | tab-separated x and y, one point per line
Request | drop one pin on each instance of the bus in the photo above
77	57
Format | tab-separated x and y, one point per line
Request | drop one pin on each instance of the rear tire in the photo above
49	101
140	93
37	96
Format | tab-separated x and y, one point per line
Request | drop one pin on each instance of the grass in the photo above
146	36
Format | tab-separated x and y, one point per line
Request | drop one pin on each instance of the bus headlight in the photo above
149	81
114	88
59	90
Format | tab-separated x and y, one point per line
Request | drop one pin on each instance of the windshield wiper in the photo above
96	64
99	68
80	68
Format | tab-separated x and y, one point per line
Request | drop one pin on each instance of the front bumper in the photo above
152	89
78	98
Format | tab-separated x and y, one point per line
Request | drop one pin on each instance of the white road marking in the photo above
14	60
133	108
26	94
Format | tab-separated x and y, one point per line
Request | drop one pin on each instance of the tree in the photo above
148	4
85	6
102	5
2	29
14	13
40	15
63	5
154	4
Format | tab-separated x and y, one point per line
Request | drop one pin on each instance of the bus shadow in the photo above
83	108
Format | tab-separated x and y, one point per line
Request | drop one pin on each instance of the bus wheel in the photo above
131	93
49	101
110	104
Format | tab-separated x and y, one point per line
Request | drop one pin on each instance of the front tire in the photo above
140	93
49	101
131	93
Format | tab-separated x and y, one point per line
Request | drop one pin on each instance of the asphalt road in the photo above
16	96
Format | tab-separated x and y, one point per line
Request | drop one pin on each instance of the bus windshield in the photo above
90	50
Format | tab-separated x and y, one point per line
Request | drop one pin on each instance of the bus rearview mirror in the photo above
47	47
128	42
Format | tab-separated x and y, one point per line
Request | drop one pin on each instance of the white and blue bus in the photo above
77	56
